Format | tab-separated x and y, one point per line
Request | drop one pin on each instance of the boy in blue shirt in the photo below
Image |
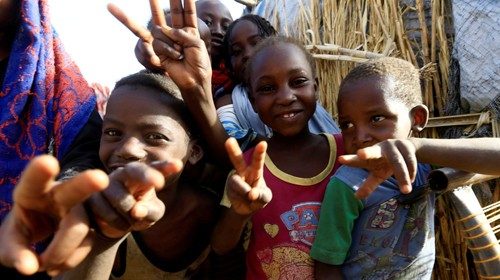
386	235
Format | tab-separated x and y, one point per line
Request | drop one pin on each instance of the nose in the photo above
217	30
363	137
131	149
285	95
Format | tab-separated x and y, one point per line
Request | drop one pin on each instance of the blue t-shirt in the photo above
393	236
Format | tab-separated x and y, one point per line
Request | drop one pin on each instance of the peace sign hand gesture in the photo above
246	188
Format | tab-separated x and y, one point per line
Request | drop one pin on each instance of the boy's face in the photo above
368	116
283	88
139	126
217	17
242	40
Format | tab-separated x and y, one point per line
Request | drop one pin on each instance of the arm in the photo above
339	210
247	193
98	264
399	157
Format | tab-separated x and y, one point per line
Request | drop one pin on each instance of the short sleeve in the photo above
339	210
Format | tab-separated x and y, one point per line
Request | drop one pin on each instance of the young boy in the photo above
387	235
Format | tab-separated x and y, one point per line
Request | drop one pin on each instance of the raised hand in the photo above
130	201
246	188
44	207
382	160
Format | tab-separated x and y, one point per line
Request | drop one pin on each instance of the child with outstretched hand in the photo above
368	227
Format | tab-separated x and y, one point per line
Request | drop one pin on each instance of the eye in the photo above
156	138
111	132
266	89
299	82
236	51
345	125
208	22
378	118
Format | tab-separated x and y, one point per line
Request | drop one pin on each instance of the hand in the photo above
130	201
186	61
144	48
382	160
246	189
42	207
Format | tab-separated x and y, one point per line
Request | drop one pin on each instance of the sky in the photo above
102	47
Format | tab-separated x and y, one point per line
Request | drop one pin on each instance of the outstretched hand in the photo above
130	201
246	188
382	160
44	207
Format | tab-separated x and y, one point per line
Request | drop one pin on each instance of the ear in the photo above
419	117
196	153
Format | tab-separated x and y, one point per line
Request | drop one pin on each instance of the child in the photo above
282	87
387	235
235	110
147	121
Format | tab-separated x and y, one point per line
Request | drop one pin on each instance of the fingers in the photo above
169	169
138	178
77	189
236	156
164	46
157	13
140	31
147	213
257	165
177	13
190	17
111	223
36	181
368	186
15	251
237	188
71	232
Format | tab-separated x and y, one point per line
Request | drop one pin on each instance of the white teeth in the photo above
289	115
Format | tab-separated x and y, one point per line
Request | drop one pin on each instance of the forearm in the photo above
200	102
479	155
228	231
98	264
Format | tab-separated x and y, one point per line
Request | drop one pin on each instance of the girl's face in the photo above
242	40
368	116
138	126
283	88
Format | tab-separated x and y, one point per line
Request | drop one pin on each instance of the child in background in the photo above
234	109
282	86
387	235
218	18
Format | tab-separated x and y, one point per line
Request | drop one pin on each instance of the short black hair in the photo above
265	30
274	41
404	76
171	95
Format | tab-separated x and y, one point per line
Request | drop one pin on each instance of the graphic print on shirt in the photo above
302	221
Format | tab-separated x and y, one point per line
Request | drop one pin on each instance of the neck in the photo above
289	142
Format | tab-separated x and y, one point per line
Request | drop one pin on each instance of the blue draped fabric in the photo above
44	100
